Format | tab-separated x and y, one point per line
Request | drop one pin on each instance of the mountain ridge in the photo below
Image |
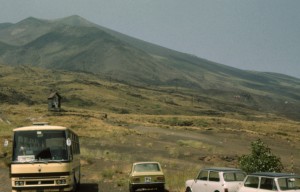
75	44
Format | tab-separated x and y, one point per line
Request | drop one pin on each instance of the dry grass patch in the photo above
109	145
193	144
263	126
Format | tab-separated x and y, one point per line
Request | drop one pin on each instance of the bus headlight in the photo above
19	183
61	182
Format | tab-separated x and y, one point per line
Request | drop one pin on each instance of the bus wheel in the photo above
79	177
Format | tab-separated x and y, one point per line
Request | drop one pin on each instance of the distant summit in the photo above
75	20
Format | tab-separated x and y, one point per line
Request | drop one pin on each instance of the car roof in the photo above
274	174
145	162
221	169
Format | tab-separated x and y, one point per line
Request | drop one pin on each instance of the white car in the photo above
263	182
216	180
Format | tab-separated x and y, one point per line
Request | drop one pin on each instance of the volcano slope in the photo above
111	142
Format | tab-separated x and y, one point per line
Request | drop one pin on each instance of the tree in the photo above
260	160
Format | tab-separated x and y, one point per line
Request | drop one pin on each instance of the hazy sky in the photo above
261	35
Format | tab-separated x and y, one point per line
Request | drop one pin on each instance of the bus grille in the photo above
42	182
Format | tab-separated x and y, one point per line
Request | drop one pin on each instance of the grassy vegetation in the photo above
109	145
183	111
119	124
162	81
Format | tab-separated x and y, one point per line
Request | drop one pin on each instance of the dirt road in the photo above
5	185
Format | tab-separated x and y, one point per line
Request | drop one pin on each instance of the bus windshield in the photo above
40	145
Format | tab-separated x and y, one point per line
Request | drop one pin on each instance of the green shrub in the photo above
177	122
261	159
108	173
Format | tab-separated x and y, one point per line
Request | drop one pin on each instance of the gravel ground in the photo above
5	185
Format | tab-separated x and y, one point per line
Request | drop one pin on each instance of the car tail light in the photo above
160	178
136	180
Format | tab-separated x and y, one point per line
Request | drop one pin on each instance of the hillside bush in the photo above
261	159
177	122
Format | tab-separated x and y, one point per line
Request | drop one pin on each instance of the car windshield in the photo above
146	167
234	176
286	184
44	145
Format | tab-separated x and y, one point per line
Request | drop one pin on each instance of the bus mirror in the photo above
5	143
69	142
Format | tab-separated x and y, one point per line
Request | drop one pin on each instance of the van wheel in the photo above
188	189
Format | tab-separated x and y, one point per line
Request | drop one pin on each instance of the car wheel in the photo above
188	189
131	188
161	188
